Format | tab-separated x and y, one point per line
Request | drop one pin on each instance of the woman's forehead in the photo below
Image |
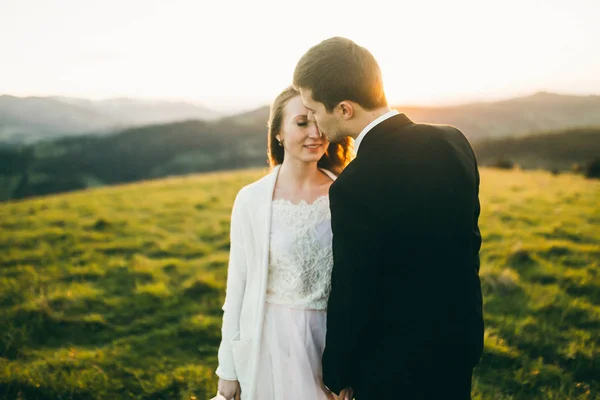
295	107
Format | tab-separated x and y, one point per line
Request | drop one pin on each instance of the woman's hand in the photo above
330	395
230	389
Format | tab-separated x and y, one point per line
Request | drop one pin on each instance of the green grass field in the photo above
115	293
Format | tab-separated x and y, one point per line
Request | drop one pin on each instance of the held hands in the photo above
346	394
231	390
328	393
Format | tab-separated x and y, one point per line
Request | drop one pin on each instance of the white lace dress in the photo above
295	316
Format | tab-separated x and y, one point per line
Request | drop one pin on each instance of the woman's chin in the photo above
312	158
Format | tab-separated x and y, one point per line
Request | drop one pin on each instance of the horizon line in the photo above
260	104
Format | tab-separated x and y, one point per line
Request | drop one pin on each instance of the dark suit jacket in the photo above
406	302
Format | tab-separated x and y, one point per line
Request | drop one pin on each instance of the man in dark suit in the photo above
405	311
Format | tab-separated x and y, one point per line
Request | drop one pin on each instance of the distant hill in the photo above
493	120
131	155
514	117
145	112
29	119
557	150
26	120
239	141
195	146
257	118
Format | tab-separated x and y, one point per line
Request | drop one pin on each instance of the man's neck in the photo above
368	116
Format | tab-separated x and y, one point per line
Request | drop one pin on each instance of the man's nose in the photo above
314	132
310	116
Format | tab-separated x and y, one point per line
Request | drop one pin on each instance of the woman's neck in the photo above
299	175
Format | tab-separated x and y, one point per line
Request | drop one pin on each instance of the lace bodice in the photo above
301	255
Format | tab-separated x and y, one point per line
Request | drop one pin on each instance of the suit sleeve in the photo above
354	291
236	282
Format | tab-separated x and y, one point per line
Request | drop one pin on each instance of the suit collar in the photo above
394	122
373	124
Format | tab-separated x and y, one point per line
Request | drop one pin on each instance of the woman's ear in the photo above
346	109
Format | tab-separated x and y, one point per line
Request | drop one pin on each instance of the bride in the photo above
279	275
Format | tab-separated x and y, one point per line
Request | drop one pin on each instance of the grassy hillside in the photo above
116	292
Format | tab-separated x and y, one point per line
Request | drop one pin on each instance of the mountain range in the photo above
30	119
514	117
519	116
540	131
25	120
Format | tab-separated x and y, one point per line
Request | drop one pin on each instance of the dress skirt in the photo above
289	365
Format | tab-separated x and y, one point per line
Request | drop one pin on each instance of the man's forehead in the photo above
306	93
306	96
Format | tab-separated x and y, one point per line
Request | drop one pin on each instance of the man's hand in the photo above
230	389
346	394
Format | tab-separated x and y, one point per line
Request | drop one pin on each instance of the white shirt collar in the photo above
372	125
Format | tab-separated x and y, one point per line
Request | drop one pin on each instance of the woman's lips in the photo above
313	146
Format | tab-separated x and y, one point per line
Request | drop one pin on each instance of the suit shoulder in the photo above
435	128
438	133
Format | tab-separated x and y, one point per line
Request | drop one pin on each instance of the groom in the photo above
405	310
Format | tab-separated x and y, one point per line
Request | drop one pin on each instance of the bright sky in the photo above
242	53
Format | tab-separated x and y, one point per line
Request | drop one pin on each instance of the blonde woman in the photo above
279	275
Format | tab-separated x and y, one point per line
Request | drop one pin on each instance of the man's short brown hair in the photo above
338	69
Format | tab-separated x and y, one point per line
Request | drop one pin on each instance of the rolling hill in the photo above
27	120
514	117
557	150
155	151
31	119
494	120
137	112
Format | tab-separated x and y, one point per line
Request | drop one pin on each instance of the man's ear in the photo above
346	109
